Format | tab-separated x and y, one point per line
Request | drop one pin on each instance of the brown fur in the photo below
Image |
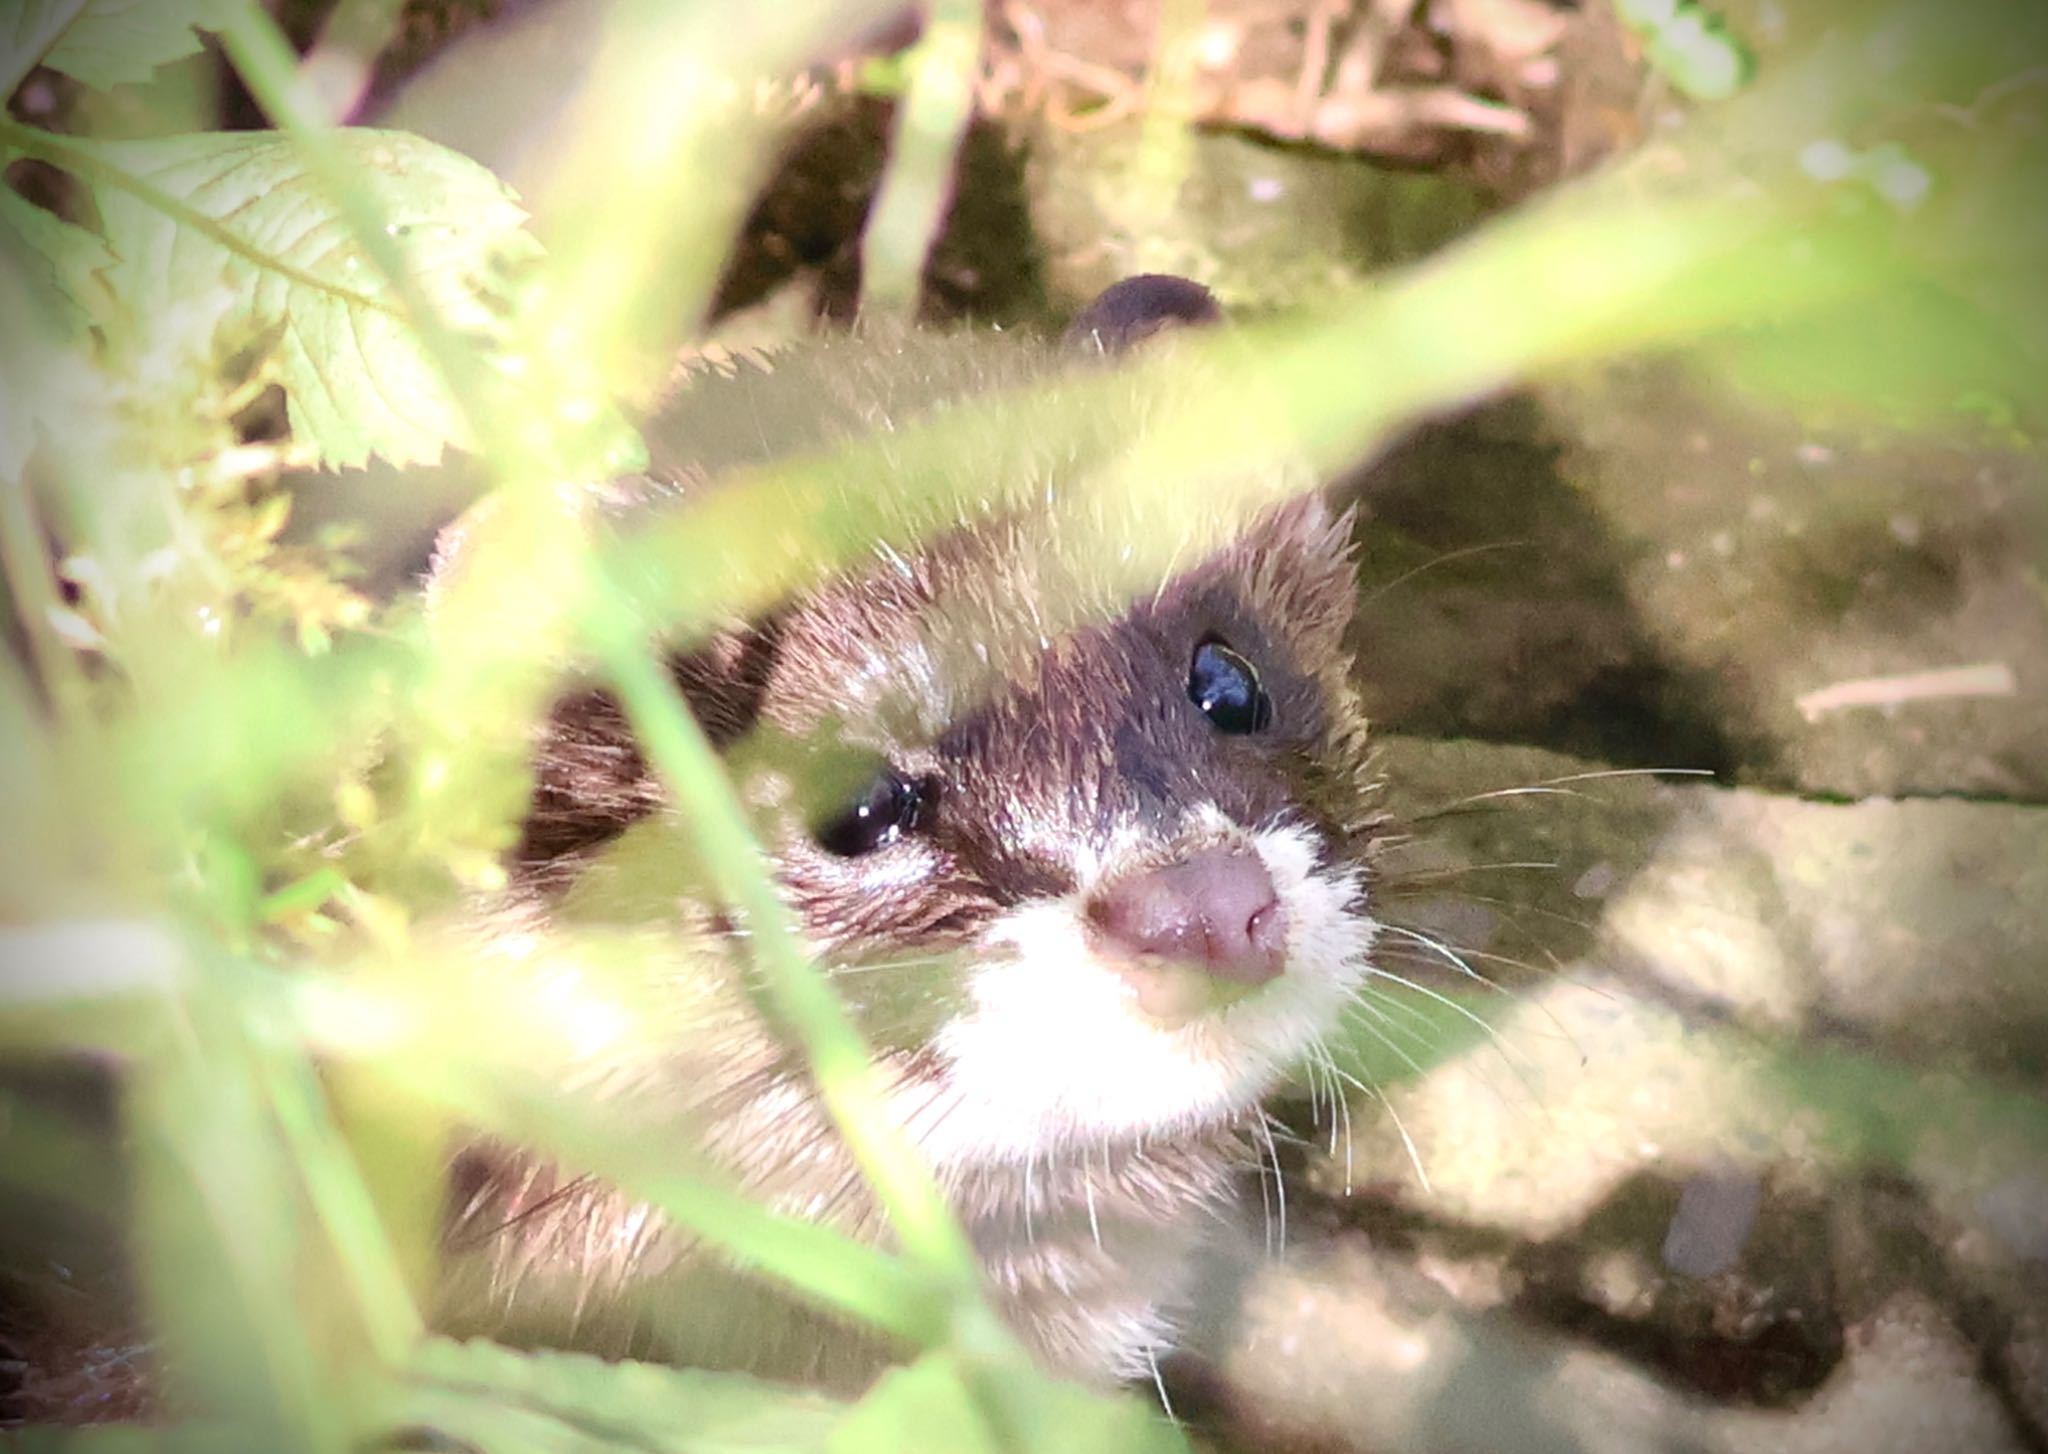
932	662
1041	702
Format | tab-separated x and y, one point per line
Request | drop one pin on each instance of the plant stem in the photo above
342	1203
846	1075
339	67
931	118
416	1063
27	564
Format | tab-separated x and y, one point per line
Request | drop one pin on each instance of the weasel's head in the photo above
1098	888
1145	845
1085	858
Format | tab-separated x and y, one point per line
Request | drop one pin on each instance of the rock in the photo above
1772	566
1743	1162
1909	1384
1262	227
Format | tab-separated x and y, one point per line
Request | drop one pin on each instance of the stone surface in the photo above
1634	565
1262	227
1749	1158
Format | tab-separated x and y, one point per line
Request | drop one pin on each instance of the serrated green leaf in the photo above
187	1438
27	34
104	43
926	1404
935	1404
69	258
37	370
241	210
17	429
496	1399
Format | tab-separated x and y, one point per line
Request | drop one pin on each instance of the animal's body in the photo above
1090	896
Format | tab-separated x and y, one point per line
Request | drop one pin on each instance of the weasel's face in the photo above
1094	889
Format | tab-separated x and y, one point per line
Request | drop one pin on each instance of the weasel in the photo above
1089	903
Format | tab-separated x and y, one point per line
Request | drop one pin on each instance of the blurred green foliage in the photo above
210	875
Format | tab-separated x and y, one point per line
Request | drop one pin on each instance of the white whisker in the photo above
1400	1127
1405	1058
1437	874
1325	1063
1393	1010
1429	565
1443	951
1559	787
1265	1125
1486	955
1159	1387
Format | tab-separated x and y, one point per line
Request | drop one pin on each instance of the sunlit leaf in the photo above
216	1209
105	42
493	1399
1918	200
938	1403
71	257
1690	45
186	214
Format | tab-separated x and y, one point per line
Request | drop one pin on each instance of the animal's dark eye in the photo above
886	807
1226	687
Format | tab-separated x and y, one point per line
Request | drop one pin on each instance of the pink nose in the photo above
1215	910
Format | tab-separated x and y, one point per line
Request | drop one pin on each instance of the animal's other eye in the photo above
886	807
1226	687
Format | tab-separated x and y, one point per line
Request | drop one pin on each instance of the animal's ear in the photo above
1308	530
725	678
452	548
1302	563
591	778
1125	314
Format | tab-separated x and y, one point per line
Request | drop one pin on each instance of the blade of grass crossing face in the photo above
845	1071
